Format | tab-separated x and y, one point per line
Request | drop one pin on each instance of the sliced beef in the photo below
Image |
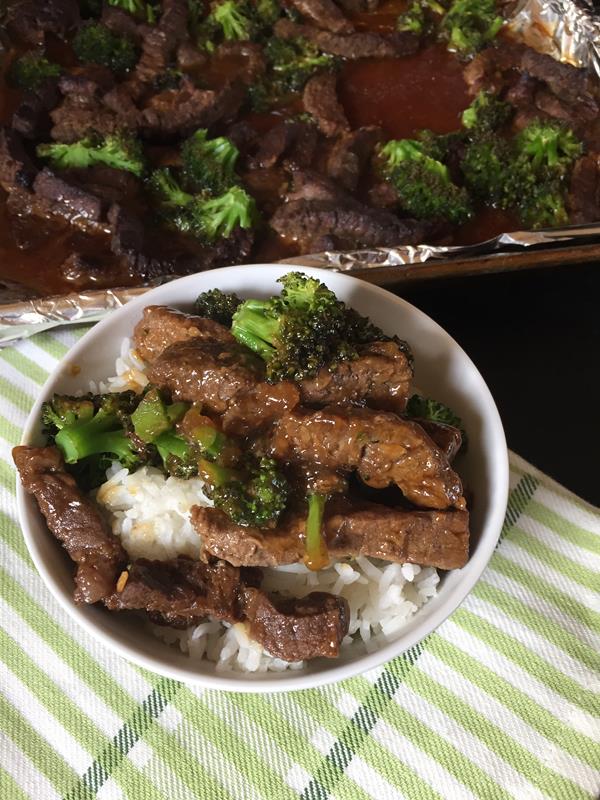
307	222
16	168
351	528
565	81
78	115
66	199
297	629
321	101
180	592
189	57
120	22
30	20
160	41
379	377
179	112
290	143
350	156
325	14
383	448
227	379
162	326
354	45
583	198
448	438
74	519
32	116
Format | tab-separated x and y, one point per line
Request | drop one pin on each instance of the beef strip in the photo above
383	448
255	63
351	528
347	226
30	20
227	379
16	168
290	143
448	438
379	377
583	199
162	326
297	629
68	200
160	41
32	116
179	112
350	156
180	592
74	520
320	100
325	14
354	45
79	115
120	22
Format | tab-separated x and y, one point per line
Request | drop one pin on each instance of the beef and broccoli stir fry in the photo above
296	413
151	139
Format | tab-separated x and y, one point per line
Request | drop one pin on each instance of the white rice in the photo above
151	515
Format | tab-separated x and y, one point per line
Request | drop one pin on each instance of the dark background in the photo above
535	337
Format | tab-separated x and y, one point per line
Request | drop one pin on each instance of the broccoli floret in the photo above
547	147
486	113
470	24
139	9
102	435
489	171
315	548
31	70
209	164
302	330
179	458
63	410
217	305
236	20
544	206
422	183
291	63
95	44
425	408
415	18
268	12
256	496
119	151
207	218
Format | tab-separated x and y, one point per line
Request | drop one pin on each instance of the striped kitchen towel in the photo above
500	702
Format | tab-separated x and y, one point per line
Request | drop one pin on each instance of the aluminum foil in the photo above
567	30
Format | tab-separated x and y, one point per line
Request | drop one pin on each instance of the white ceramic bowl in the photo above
442	370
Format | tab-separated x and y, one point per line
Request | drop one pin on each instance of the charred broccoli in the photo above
291	62
422	183
254	496
95	44
488	169
207	218
119	151
486	113
302	330
31	70
209	164
217	305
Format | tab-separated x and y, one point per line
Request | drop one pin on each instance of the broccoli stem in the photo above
216	475
211	441
254	329
169	444
315	549
78	442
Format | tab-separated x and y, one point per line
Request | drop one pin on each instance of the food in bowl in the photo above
258	480
150	139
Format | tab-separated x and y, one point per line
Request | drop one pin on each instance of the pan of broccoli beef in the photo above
148	139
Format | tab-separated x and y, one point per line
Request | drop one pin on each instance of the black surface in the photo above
535	337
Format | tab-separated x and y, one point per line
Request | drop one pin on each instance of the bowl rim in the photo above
237	681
